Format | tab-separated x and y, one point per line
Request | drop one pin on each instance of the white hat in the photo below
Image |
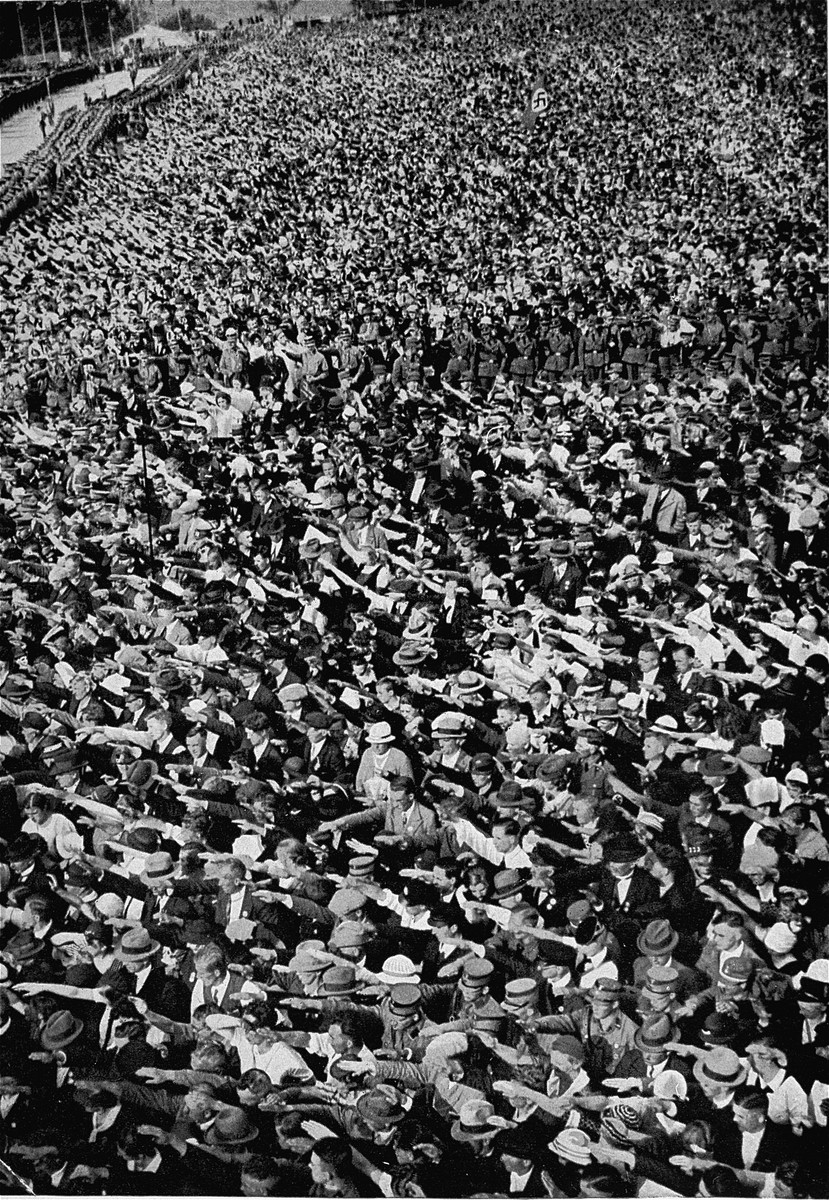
779	939
380	733
670	1085
399	969
817	970
796	775
663	559
702	617
68	939
109	905
446	1045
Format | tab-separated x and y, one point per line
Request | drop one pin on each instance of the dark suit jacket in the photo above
163	993
329	764
641	903
777	1145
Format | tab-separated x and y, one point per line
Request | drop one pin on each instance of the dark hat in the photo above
510	795
144	839
482	763
382	1103
508	883
60	1030
698	841
587	931
405	999
318	720
232	1127
658	937
623	848
486	1011
715	764
477	973
719	1029
23	946
25	847
200	932
361	866
136	944
519	992
339	981
606	989
553	954
655	1031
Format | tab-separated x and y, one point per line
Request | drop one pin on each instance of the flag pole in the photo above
57	31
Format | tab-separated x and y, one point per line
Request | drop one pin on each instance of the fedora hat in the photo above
654	1032
720	1066
380	734
136	944
476	1122
339	981
469	683
508	883
658	937
814	983
623	848
24	946
382	1103
60	1030
232	1127
157	868
411	654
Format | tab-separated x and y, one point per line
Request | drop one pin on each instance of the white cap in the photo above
110	905
779	939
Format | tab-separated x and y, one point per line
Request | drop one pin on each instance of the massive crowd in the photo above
413	634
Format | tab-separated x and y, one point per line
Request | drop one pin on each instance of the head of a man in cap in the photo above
604	999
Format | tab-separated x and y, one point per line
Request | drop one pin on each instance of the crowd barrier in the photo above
79	131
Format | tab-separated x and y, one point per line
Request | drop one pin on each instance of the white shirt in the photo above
623	887
320	1043
517	1182
103	1120
596	968
788	1103
750	1146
